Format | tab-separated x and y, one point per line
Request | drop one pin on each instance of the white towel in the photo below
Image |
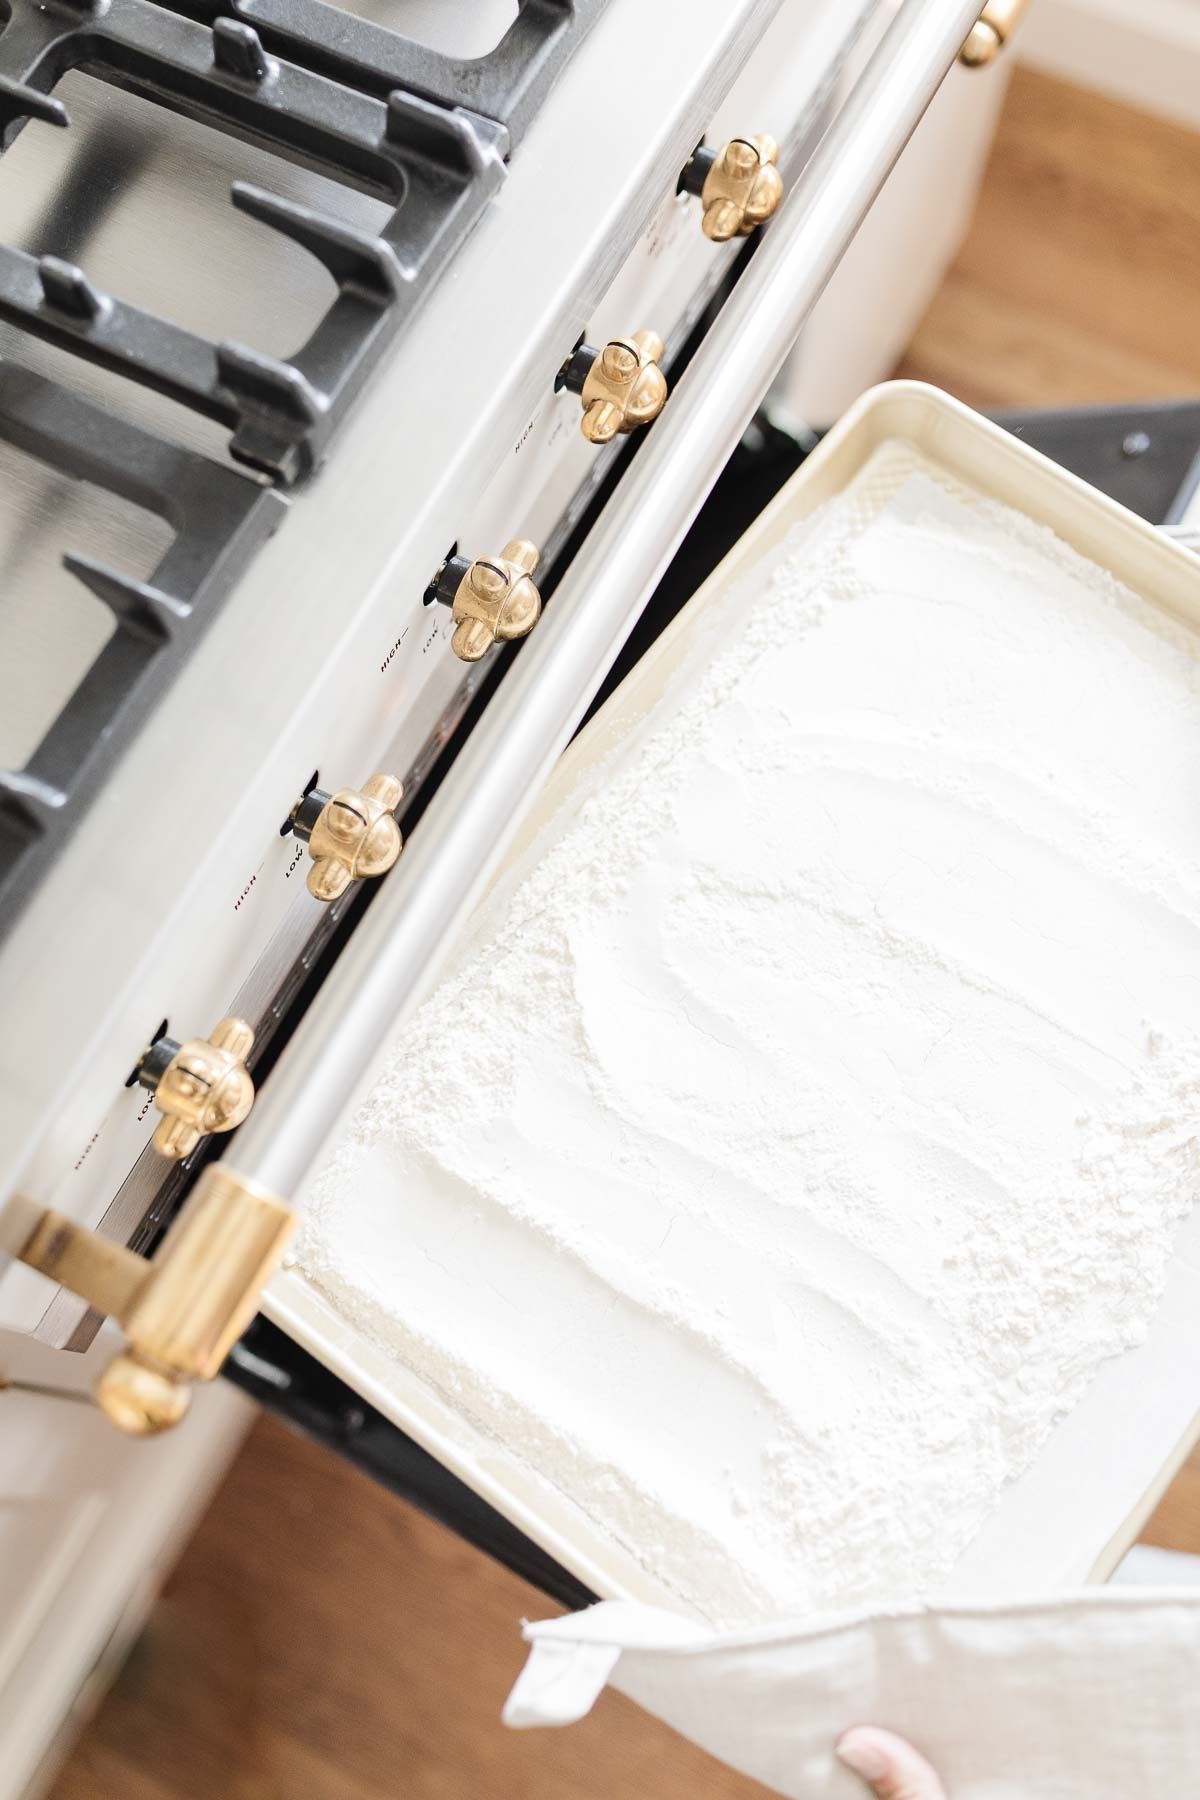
1091	1696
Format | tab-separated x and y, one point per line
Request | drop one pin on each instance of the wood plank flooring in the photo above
320	1641
1078	281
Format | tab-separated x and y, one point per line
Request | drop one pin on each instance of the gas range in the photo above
308	382
302	315
334	345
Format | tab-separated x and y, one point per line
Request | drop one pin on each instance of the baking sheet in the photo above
1084	1499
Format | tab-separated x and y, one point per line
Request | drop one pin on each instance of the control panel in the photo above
401	660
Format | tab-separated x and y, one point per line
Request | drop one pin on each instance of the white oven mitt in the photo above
1095	1696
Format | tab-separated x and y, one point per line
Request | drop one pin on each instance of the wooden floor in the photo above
319	1641
1078	283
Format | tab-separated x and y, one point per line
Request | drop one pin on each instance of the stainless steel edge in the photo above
398	950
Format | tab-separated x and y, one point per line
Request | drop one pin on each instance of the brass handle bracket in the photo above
991	32
183	1309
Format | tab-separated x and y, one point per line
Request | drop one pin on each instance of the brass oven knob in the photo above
199	1087
492	599
350	834
987	38
739	187
621	385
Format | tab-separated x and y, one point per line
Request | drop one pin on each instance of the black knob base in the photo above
306	812
576	369
695	171
449	578
152	1063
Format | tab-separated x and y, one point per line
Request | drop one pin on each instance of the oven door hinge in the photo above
182	1309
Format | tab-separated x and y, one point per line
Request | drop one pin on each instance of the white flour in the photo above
810	1114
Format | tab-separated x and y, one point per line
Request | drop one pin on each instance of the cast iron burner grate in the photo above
219	518
436	165
428	133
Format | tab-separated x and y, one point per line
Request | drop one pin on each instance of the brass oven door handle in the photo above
398	950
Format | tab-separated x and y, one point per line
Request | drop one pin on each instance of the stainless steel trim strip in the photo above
397	952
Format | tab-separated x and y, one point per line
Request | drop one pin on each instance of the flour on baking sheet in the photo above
812	1114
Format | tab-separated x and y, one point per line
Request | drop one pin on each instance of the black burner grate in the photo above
438	166
507	85
219	518
429	134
